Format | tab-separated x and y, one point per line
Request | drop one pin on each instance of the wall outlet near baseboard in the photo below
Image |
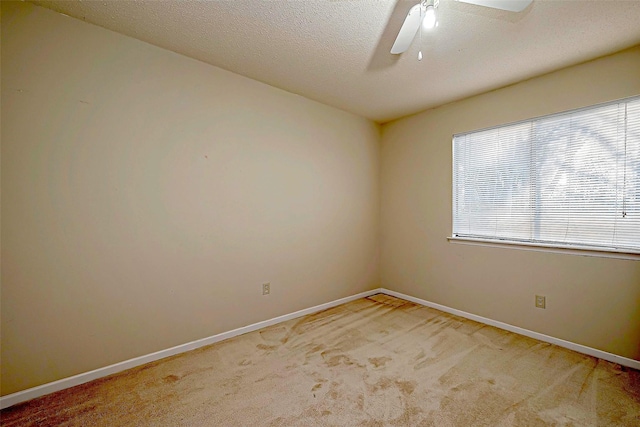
541	301
266	288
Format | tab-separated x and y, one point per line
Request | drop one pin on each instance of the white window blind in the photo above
570	179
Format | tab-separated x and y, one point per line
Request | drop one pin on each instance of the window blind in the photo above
569	179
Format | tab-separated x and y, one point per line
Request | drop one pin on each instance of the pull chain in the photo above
420	30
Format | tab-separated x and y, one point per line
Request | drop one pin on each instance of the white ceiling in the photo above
337	52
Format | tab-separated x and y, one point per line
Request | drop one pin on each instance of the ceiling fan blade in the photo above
408	30
510	5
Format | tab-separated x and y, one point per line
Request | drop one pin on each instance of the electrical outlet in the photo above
266	288
541	301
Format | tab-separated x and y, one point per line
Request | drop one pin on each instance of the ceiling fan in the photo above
425	13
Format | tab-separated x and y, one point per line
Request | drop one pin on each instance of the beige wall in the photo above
590	301
147	196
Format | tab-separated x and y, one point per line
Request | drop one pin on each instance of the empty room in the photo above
320	213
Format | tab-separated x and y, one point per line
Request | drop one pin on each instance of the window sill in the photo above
560	249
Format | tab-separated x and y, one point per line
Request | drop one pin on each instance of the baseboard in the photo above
32	393
631	363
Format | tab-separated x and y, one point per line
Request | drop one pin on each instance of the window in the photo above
566	180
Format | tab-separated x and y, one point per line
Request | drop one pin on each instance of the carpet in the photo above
377	361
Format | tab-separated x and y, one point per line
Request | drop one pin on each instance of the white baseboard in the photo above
41	390
625	361
32	393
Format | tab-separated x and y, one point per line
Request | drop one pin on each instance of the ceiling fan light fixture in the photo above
423	15
429	21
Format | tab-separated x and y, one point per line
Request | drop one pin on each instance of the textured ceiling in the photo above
337	52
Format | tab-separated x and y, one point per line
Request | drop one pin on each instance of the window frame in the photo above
573	249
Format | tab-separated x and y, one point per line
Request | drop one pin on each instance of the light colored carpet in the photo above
373	362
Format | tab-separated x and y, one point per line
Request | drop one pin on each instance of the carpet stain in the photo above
379	361
406	387
266	347
171	378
